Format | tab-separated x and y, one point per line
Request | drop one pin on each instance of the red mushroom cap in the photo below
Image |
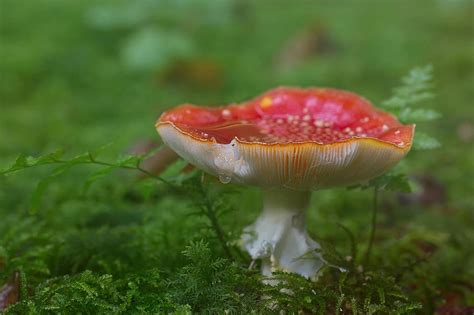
289	137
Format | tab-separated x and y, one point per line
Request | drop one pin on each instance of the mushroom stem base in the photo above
279	237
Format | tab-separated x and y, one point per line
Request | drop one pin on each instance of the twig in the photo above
252	264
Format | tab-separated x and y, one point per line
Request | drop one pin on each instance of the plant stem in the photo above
96	162
210	214
373	225
138	168
217	228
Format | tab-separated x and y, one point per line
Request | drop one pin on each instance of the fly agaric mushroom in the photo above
288	141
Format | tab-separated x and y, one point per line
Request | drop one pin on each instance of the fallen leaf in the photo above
156	163
466	132
200	73
313	41
431	192
10	292
452	306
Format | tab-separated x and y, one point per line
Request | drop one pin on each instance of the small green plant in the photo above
416	88
207	282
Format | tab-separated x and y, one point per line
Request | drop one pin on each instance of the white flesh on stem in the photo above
279	237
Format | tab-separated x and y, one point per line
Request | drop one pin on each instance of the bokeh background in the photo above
81	74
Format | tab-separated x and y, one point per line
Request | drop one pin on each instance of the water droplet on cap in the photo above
224	179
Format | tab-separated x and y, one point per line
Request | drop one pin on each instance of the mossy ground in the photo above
72	77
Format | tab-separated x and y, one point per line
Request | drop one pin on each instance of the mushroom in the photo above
289	141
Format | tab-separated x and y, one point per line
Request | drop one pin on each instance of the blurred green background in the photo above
80	74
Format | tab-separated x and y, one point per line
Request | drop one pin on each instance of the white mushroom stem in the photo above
279	237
